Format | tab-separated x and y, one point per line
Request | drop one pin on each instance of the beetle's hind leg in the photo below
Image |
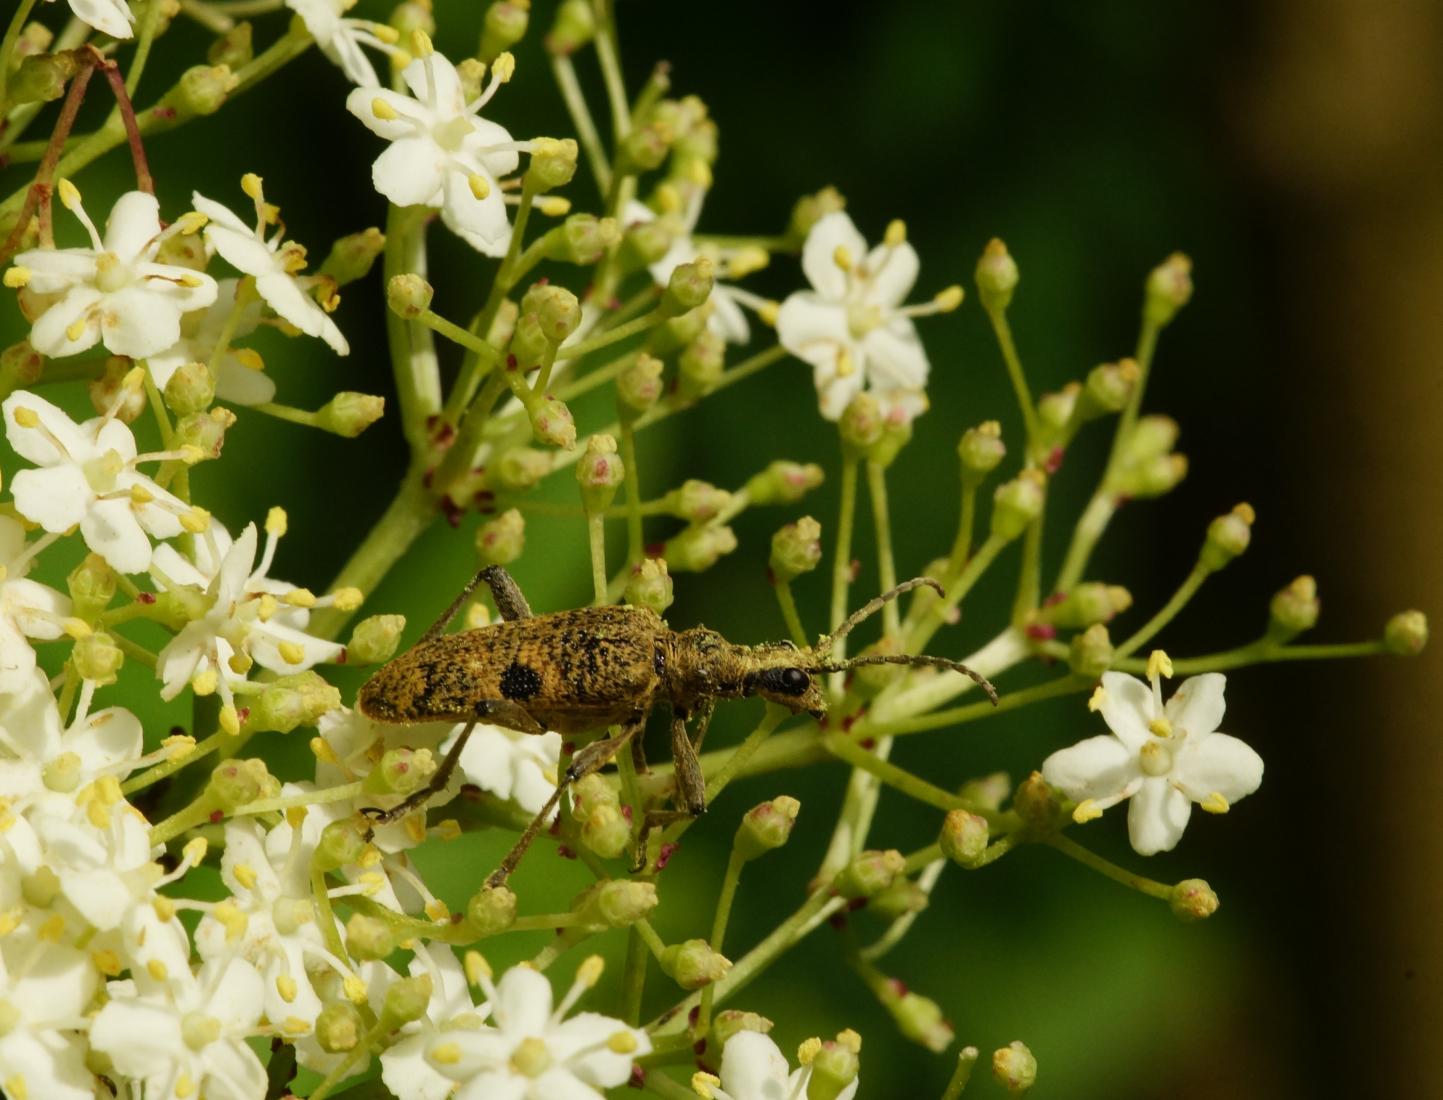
504	591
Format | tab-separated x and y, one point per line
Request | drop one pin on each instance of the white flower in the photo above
511	764
251	618
185	1036
88	477
239	377
45	989
340	39
529	1051
275	263
442	154
114	291
754	1068
112	17
27	608
851	326
404	1067
38	753
1164	758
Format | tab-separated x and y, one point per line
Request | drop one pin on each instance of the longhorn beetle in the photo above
583	670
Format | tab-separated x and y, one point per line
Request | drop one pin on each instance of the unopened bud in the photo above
1406	633
1192	899
237	782
1014	1067
599	473
1087	604
204	430
698	548
693	964
677	332
606	832
1090	653
581	239
697	501
339	1027
1169	287
375	639
553	163
639	386
96	657
112	391
898	900
920	1019
784	482
400	771
809	210
1054	411
519	469
1038	804
645	147
492	910
996	276
796	549
409	295
202	90
987	792
732	1021
690	285
573	27
190	389
646	242
964	837
1110	386
369	938
556	309
42	77
1017	503
551	423
650	586
617	903
869	873
411	16
1228	536
500	541
342	844
20	366
92	586
835	1068
503	25
348	414
352	256
406	1000
767	826
700	365
1295	608
861	425
291	701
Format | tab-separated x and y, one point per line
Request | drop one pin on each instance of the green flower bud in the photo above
528	341
502	27
693	964
202	90
180	605
412	16
352	257
190	389
233	49
290	701
1109	387
646	242
472	73
553	163
988	792
617	903
920	1019
369	938
697	501
406	1000
796	549
1228	536
639	386
902	898
1054	410
111	388
205	430
697	549
732	1021
573	27
400	771
869	873
1087	604
92	586
96	657
862	424
237	782
1014	1067
677	332
1406	633
835	1067
784	482
551	423
1017	503
698	145
581	239
42	77
375	640
809	210
591	793
599	473
492	910
556	308
1090	654
650	585
606	832
348	414
996	276
1169	287
409	295
690	286
500	541
1038	804
339	1027
519	469
896	434
964	837
342	844
1153	478
1192	900
646	147
767	826
1295	608
20	366
700	365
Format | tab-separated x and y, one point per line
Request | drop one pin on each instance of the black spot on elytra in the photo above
520	681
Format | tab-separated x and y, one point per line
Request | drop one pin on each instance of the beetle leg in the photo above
504	590
703	722
419	798
690	797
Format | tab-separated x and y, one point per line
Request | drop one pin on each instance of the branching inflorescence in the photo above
121	975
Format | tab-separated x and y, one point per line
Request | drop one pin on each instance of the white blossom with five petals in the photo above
340	39
754	1068
1163	757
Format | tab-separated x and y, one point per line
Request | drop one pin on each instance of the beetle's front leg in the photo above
690	797
419	798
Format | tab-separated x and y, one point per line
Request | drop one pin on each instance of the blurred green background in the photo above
1293	152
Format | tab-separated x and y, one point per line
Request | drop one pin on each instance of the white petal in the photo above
811	328
139	321
56	498
896	359
106	737
219	216
50	334
753	1068
727	319
266	640
1157	816
480	144
142	1039
410	117
1127	708
523	1002
50	1064
34	607
1099	767
233	1072
891	273
819	262
284	295
406	1072
17	659
134	222
411	172
239	384
38	444
1197	705
242	249
481	223
1217	762
433	79
112	531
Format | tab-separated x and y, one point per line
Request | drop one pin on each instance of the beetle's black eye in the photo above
795	681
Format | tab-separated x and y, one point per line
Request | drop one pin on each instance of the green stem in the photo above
727	895
169	767
611	336
633	977
144	40
635	546
1003	330
1140	883
606	53
664	1086
962	545
413	349
596	536
937	612
1169	610
844	748
966	1059
957	716
649	937
581	120
842	560
793	620
886	563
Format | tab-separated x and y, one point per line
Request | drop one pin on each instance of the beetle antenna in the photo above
871	607
911	659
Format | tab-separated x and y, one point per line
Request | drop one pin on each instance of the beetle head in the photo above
781	675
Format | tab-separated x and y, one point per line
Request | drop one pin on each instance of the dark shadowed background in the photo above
1295	152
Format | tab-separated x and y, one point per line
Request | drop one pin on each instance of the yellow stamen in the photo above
850	1039
245	874
436	909
77	628
300	597
1215	803
446	1054
704	1084
191	222
347	599
845	364
477	968
229	720
26	417
589	972
195	520
139	494
195	850
268	606
1087	810
321	748
157	970
421	44
253	186
205	682
1158	664
287	988
69	194
1160	727
249	358
808	1051
76	329
107	962
621	1042
16	277
896	233
769	313
293	653
553	206
383	110
503	68
276	522
842	258
164	907
479	184
948	300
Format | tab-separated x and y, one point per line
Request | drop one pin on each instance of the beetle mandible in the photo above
595	667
